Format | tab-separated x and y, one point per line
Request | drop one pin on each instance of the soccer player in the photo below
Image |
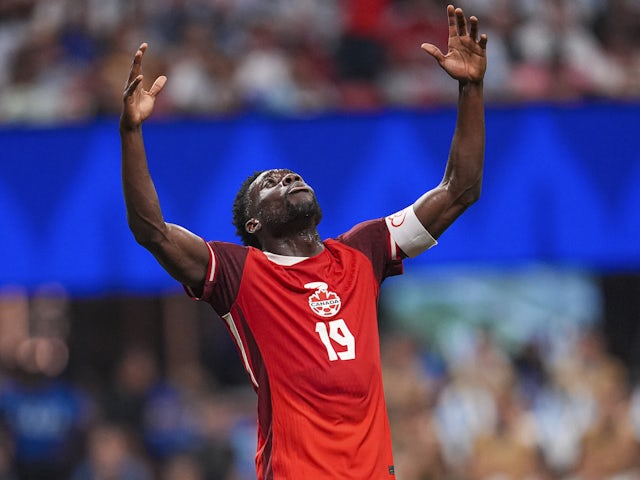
303	311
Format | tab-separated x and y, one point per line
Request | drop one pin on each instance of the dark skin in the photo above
270	194
185	256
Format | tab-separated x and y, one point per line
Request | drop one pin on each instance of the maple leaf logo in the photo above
323	302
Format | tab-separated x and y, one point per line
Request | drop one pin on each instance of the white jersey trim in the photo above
212	262
228	318
211	273
284	260
408	233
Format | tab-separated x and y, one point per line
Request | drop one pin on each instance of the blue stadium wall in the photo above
562	185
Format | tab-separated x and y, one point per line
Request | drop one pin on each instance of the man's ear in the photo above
252	225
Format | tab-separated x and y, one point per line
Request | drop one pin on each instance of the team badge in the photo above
323	302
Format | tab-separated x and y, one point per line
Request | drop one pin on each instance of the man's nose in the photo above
289	178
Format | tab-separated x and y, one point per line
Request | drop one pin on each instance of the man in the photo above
302	311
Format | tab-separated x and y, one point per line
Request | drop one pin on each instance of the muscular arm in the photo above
182	254
460	187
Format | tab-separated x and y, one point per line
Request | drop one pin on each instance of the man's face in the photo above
281	197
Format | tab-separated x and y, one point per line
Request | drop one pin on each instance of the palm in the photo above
466	59
139	106
139	103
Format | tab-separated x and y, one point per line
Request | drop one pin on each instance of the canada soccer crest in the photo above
323	302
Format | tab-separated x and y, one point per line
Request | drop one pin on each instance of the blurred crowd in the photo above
523	415
138	425
542	411
496	414
67	60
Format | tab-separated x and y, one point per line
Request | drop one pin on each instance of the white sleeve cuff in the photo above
408	233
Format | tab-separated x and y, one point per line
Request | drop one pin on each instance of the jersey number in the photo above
340	334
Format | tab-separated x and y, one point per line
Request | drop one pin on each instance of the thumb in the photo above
433	51
157	86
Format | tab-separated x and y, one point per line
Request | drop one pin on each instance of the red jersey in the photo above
307	333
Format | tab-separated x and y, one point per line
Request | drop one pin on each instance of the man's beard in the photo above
292	217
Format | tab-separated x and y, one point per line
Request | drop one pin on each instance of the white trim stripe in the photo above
394	247
212	273
236	336
284	260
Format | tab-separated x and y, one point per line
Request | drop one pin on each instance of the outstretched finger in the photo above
157	85
451	16
473	31
461	22
483	41
136	65
434	51
132	86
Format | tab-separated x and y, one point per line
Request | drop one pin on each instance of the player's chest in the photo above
308	304
320	288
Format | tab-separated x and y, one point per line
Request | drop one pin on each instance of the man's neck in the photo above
302	244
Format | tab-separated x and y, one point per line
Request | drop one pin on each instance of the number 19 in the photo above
339	333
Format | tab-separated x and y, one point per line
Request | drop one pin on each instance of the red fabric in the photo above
309	338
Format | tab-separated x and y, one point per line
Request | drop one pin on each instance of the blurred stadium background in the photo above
511	350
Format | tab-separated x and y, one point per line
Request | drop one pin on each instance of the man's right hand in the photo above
137	102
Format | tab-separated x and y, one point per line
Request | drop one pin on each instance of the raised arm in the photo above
460	187
183	254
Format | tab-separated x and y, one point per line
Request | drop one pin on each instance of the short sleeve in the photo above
224	275
373	240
